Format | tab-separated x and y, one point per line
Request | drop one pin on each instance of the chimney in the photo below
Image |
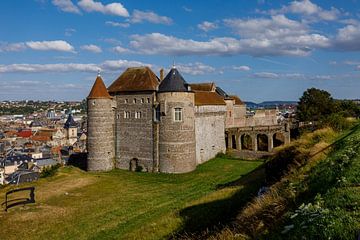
161	74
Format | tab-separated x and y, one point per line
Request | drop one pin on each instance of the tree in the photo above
315	104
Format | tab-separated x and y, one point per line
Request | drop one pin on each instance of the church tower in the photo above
70	127
101	117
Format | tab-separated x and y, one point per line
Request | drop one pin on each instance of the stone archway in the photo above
278	139
134	164
262	142
246	142
233	141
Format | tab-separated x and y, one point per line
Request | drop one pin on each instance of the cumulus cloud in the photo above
119	49
298	45
241	68
91	48
310	10
196	68
117	24
347	38
110	65
149	16
66	6
58	45
207	26
116	9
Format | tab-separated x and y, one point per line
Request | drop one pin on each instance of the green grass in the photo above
128	205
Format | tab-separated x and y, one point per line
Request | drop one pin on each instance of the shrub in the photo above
49	171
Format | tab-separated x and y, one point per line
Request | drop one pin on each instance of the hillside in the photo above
315	195
128	205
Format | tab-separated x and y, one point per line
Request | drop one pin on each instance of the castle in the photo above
161	124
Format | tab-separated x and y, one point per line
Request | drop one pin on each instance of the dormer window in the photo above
178	114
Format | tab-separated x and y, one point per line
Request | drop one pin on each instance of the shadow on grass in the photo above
203	219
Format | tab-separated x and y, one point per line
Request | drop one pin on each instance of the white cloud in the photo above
110	65
116	9
196	68
187	9
347	38
241	68
117	24
119	49
298	45
66	6
58	45
91	48
12	47
149	16
69	32
207	26
266	75
310	10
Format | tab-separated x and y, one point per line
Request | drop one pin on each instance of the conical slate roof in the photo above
98	90
174	82
70	122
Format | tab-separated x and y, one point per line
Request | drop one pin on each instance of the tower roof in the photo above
98	90
70	122
207	87
173	82
135	79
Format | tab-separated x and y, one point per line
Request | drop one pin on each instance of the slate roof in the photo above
208	87
70	122
208	98
135	79
221	92
35	123
174	82
98	90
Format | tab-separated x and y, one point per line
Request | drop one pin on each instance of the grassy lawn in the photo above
128	205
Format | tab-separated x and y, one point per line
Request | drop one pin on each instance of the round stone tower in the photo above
100	128
177	125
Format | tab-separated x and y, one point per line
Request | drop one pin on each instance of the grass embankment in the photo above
318	196
126	205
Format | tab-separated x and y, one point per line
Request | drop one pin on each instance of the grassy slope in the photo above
317	200
128	205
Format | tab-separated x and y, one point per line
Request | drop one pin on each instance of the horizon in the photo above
259	50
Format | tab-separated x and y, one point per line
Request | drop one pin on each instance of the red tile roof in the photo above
237	100
98	90
208	87
208	98
24	133
135	79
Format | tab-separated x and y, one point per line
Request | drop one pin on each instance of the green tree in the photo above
315	104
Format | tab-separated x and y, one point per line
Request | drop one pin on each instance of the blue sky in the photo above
260	50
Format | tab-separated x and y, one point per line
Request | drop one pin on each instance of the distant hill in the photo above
267	104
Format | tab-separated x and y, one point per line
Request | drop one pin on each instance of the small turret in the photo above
100	139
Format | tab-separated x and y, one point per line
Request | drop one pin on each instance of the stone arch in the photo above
134	164
246	142
278	139
262	142
233	141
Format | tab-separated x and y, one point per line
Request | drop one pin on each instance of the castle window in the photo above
157	113
126	114
178	114
229	113
148	100
126	100
134	100
137	114
142	100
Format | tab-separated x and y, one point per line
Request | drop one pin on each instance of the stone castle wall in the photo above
135	136
177	139
209	132
100	139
